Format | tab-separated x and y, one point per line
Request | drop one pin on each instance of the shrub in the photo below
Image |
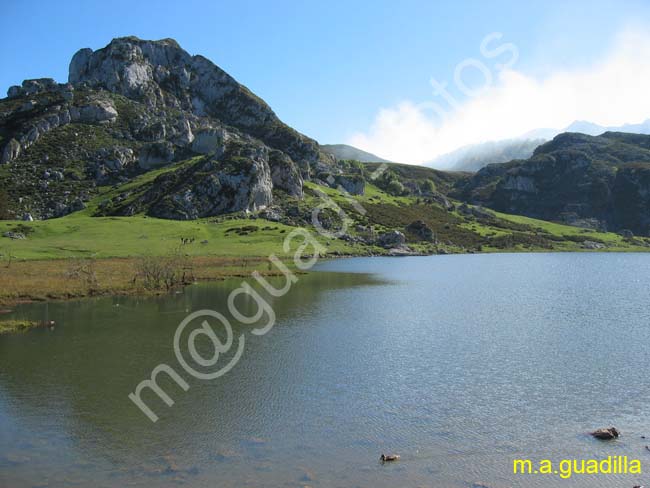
164	272
5	213
83	270
394	187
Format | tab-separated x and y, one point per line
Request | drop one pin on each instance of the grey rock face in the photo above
61	209
210	141
156	154
239	181
353	184
99	110
524	184
284	174
11	151
151	103
391	239
600	182
272	214
139	69
79	65
32	87
114	159
441	200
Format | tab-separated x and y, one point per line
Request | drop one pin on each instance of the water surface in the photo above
458	363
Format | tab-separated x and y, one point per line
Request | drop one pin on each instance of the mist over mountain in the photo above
344	151
476	156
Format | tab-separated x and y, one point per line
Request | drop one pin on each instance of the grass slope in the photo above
80	235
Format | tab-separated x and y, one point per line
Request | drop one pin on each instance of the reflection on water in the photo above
458	363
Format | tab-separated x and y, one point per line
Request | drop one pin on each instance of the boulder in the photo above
479	212
32	87
271	213
401	251
593	245
210	141
441	200
76	205
606	434
391	239
421	230
284	174
98	111
116	158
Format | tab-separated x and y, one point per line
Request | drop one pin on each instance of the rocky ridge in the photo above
600	182
139	105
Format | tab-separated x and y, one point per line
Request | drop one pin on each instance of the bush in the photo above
394	187
427	186
163	272
83	270
5	213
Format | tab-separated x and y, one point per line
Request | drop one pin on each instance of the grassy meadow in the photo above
80	255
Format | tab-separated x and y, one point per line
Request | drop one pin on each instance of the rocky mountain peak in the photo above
163	75
136	105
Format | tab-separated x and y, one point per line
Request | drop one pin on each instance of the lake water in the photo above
458	363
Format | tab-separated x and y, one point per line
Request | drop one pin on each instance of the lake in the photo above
460	364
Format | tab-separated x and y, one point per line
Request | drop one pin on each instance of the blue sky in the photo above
326	68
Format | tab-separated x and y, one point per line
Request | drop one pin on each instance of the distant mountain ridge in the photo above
476	156
592	181
344	151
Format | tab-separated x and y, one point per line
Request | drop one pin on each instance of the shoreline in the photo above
38	281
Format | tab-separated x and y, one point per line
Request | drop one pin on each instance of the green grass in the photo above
613	241
371	195
16	326
136	186
79	235
82	235
460	233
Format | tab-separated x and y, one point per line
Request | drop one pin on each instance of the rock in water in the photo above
606	434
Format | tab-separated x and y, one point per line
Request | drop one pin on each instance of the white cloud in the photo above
613	91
